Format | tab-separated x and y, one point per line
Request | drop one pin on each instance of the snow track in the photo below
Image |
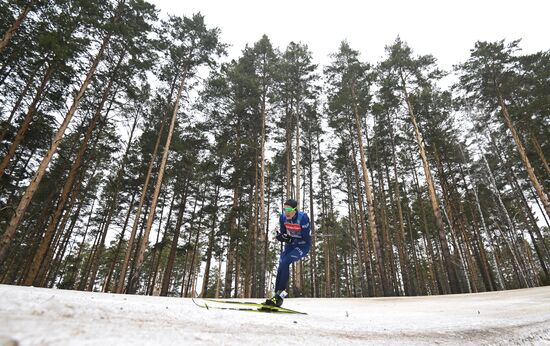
37	316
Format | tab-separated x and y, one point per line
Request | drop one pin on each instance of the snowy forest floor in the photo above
38	316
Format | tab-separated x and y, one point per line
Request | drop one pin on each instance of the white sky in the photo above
445	29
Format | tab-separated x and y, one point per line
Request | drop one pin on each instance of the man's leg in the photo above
282	270
288	256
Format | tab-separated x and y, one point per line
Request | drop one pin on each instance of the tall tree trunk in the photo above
15	25
390	271
521	276
299	283
211	239
85	273
365	240
46	267
231	262
408	283
231	265
157	253
477	244
440	279
9	233
370	199
312	224
124	267
177	230
120	174
152	210
266	230
188	270
449	213
196	249
31	236
250	270
449	265
261	222
540	247
288	192
20	135
521	150
362	258
539	152
107	284
17	104
57	256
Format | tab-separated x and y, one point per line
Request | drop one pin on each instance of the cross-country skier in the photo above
294	232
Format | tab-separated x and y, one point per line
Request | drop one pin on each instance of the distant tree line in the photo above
135	159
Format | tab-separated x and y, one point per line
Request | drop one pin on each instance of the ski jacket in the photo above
298	228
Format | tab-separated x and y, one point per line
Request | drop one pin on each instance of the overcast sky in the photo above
445	29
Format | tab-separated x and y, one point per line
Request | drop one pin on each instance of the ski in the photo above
246	306
258	305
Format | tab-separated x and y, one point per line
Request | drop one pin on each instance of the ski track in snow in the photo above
39	316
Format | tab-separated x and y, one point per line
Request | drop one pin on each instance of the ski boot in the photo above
277	299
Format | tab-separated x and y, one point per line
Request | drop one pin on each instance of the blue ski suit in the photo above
299	230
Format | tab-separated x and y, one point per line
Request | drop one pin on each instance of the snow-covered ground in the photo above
37	316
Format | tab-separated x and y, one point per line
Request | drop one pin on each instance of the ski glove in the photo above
283	237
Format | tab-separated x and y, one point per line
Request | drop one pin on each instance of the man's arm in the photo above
282	236
306	228
282	228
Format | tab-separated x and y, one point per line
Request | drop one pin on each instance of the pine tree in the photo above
351	82
8	234
488	78
410	74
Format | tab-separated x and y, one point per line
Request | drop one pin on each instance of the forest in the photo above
137	158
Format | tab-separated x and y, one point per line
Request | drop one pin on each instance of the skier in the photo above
294	231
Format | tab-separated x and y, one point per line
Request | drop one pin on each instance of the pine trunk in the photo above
152	211
299	284
167	275
540	246
380	264
540	154
365	240
261	223
107	284
20	135
231	265
196	249
6	123
211	238
15	25
496	193
288	192
251	263
401	242
362	258
124	267
266	229
312	226
449	265
521	150
46	267
390	271
439	284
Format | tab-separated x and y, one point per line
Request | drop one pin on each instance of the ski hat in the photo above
291	202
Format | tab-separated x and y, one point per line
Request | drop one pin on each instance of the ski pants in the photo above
290	254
